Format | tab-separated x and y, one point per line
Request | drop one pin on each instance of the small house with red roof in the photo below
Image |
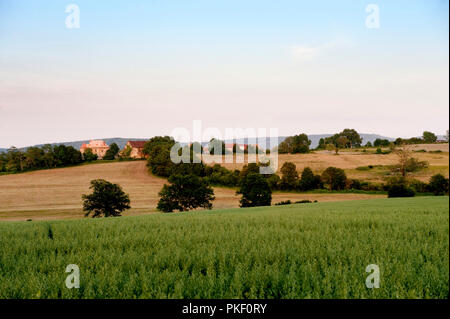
136	148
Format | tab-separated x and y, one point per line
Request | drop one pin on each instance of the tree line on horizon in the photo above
49	156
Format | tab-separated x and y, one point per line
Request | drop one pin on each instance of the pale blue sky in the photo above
143	68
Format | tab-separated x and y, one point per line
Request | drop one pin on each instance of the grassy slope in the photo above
315	250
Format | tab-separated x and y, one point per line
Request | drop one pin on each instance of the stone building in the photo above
98	147
136	149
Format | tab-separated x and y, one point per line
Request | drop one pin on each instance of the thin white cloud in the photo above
305	52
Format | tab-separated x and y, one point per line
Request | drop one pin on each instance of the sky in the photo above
143	68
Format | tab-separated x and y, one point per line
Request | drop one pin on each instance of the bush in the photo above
335	178
355	184
379	151
397	187
304	201
107	199
286	202
418	186
439	185
185	192
255	191
414	165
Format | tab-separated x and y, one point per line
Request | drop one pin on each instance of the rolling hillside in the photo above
56	193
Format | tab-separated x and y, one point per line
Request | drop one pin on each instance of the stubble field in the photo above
56	193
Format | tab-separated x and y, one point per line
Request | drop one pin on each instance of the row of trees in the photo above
48	156
334	178
427	138
348	138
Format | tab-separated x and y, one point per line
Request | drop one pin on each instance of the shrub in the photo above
255	191
418	186
379	151
414	165
286	202
397	187
439	185
355	184
185	192
107	199
304	201
335	178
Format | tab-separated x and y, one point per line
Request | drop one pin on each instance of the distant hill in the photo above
313	137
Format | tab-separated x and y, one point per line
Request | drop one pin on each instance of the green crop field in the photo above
317	250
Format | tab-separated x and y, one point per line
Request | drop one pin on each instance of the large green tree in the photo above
429	137
106	200
185	192
289	176
295	144
335	178
353	137
308	180
158	150
255	191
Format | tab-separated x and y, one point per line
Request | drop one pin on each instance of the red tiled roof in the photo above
137	144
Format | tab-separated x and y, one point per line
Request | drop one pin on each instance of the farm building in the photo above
136	149
98	147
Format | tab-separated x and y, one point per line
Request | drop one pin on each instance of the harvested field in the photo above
56	193
350	160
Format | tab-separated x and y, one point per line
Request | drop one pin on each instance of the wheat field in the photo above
317	250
